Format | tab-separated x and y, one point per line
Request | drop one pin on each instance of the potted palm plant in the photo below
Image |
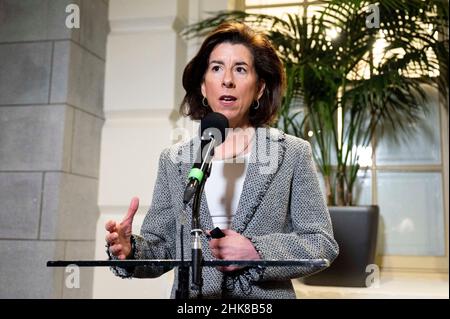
342	95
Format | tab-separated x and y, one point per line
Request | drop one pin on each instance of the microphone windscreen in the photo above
214	124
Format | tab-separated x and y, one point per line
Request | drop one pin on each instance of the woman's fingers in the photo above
227	268
216	249
111	238
115	249
110	225
215	253
232	247
132	209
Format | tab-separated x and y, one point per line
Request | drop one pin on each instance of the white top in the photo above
224	187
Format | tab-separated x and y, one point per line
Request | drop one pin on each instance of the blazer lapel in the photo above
265	160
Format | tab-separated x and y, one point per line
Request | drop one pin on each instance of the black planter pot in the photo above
355	230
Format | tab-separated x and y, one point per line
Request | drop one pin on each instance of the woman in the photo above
274	209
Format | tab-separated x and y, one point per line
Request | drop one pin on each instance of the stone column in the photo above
51	114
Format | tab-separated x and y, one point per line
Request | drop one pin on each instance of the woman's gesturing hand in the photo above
118	238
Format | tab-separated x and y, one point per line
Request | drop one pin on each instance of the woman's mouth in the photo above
227	100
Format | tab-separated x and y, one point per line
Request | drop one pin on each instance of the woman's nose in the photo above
228	84
227	81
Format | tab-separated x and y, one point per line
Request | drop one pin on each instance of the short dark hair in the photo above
268	66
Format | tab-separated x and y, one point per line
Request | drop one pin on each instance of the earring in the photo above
257	105
205	102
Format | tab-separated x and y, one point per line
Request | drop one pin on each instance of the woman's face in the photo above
231	84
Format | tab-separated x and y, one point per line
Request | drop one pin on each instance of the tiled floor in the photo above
392	285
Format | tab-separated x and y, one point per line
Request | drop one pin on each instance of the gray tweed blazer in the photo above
281	210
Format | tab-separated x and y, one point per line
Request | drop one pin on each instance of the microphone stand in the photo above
194	188
196	232
182	291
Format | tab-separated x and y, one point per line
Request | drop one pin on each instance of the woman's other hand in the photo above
233	246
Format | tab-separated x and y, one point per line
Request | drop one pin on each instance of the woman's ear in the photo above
262	86
202	87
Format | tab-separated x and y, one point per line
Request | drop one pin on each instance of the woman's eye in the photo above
240	69
215	68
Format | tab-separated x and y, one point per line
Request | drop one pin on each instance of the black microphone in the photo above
213	130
